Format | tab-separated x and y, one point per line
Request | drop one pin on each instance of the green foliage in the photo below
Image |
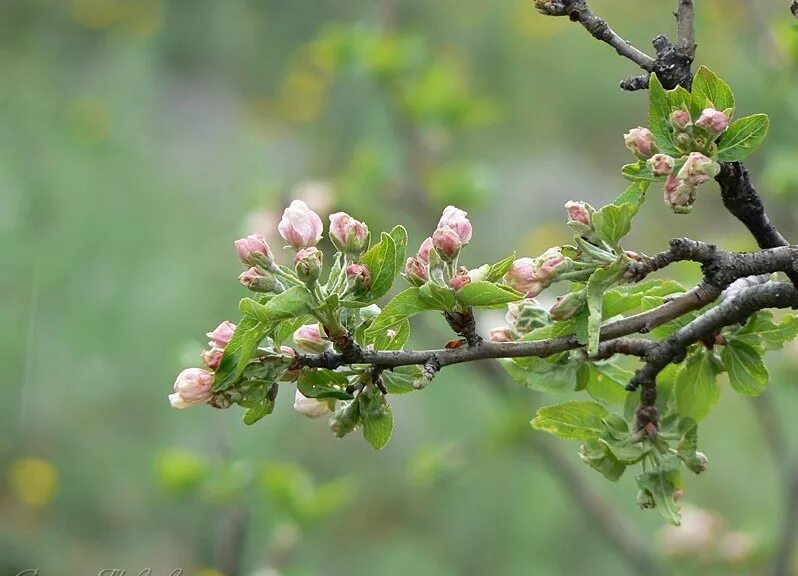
742	137
697	388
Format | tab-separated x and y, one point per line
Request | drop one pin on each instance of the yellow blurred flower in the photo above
208	572
33	481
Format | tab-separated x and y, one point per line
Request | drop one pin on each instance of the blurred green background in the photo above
140	138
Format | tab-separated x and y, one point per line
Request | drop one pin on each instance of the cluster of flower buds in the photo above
522	317
437	256
253	251
217	342
348	235
531	276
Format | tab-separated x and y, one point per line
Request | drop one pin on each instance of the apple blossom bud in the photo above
684	141
550	264
661	164
288	351
679	195
447	243
697	462
300	226
212	357
258	280
192	386
568	306
310	407
370	312
502	334
254	251
457	220
358	277
459	281
698	169
713	121
423	251
680	119
526	315
479	274
416	271
641	142
348	235
580	215
521	275
308	264
222	333
309	340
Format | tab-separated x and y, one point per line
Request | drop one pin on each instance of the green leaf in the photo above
747	372
405	304
597	284
381	261
710	90
485	294
403	379
629	297
639	171
659	110
577	419
635	194
399	235
596	453
287	305
391	339
607	382
543	375
500	268
763	333
238	352
376	417
697	388
742	137
321	383
255	413
437	297
613	222
661	483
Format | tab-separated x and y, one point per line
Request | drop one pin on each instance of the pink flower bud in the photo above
479	274
309	340
192	386
680	119
212	357
713	121
698	169
416	271
641	142
300	226
549	265
457	220
501	334
347	234
661	164
423	251
308	264
579	212
310	407
358	276
459	281
288	351
254	251
521	275
222	333
258	280
447	243
568	306
679	195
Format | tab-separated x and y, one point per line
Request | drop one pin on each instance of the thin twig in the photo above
685	26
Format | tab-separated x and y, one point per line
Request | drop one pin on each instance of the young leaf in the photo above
381	261
747	372
659	110
697	389
613	222
596	453
259	411
742	137
542	375
238	352
607	382
399	235
500	268
376	417
437	297
486	295
402	379
320	383
762	333
405	304
635	194
662	483
391	339
639	171
710	90
597	284
577	419
286	305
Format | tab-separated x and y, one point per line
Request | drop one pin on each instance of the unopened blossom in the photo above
447	243
713	121
222	333
310	407
501	334
522	277
579	212
416	271
458	221
698	169
479	274
358	276
212	357
254	251
309	339
459	281
192	386
680	119
678	194
641	142
567	306
423	251
300	226
661	164
348	235
549	264
526	315
259	280
308	264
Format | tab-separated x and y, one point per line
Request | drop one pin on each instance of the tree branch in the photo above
685	27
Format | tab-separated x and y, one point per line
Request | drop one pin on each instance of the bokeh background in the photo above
139	138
